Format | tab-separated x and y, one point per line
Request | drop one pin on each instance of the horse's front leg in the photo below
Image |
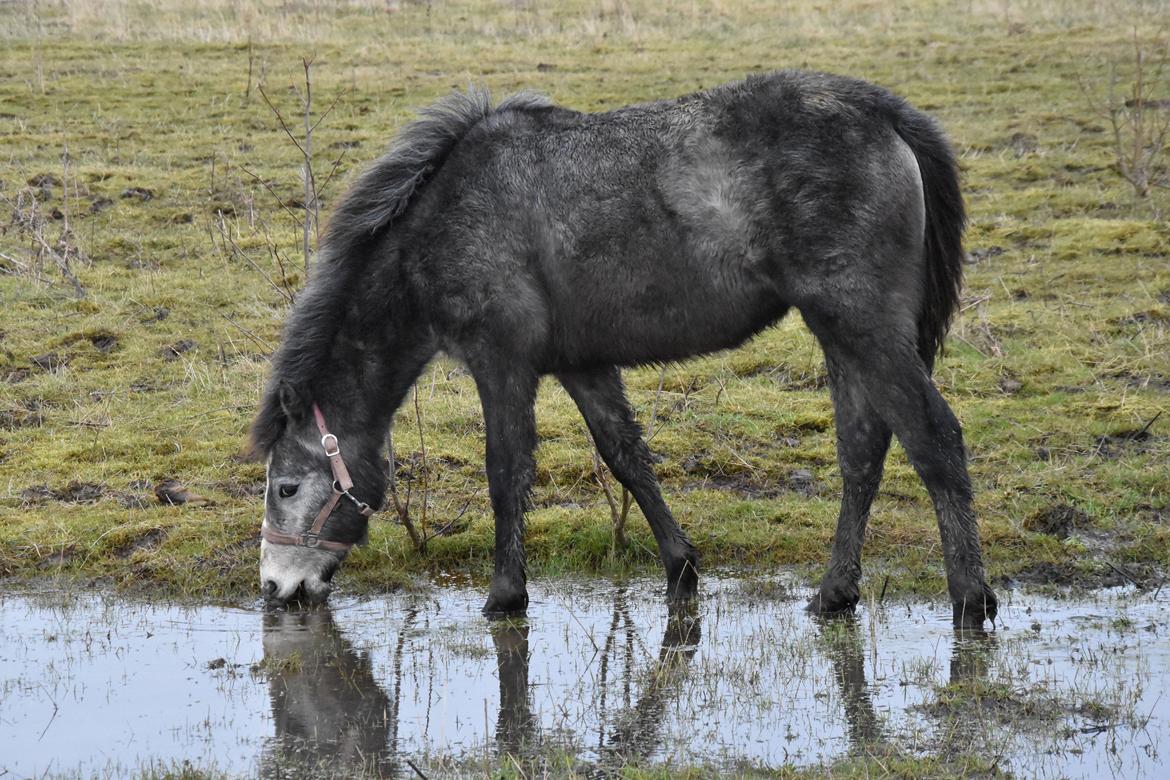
600	396
508	394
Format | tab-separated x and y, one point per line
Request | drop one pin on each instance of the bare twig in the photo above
653	428
307	150
251	63
29	221
1140	123
236	251
1129	577
402	503
279	200
422	443
617	517
1146	427
332	171
264	345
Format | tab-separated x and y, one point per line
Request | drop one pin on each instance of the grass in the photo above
1059	358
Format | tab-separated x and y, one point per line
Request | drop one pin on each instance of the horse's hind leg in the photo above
602	401
863	438
898	386
507	391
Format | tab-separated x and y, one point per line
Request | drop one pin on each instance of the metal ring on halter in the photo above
336	445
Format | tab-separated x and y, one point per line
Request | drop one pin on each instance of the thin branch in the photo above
280	118
332	171
279	200
225	235
264	345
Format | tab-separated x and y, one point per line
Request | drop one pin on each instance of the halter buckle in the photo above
309	539
336	450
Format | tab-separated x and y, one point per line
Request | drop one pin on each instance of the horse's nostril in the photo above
269	589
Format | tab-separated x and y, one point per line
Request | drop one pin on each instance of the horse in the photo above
527	239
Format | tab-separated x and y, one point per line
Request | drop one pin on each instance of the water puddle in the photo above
599	674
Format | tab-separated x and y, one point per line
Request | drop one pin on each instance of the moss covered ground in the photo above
140	128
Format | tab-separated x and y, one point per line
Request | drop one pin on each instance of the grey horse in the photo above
527	239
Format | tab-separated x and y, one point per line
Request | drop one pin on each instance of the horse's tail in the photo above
383	191
945	221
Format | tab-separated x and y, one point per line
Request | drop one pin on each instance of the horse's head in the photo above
324	481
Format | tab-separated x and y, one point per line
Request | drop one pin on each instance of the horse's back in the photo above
661	230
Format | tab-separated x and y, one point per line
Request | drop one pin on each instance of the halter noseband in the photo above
342	484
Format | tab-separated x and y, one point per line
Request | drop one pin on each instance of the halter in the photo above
341	487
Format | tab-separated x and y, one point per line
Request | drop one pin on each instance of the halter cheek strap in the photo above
342	484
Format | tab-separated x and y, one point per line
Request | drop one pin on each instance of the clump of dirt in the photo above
1053	574
104	342
27	416
147	541
174	351
749	485
171	492
979	254
73	493
130	500
50	361
1058	520
1023	144
241	489
157	314
137	193
1009	384
1122	443
803	482
45	182
57	558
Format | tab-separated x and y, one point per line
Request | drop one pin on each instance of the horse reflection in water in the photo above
840	638
332	718
629	733
841	641
635	730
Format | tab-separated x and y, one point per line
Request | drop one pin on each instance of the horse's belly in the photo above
654	327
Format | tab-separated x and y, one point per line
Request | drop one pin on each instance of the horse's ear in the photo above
293	402
283	402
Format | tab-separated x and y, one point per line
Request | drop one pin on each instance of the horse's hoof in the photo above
833	599
682	579
505	599
969	613
818	607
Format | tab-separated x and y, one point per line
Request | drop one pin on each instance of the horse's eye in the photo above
287	491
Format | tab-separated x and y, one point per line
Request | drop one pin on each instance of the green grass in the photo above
1060	352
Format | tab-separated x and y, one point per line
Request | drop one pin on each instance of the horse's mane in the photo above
368	208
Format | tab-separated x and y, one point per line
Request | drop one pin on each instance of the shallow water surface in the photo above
599	674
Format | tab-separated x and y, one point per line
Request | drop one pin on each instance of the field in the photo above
151	215
142	145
